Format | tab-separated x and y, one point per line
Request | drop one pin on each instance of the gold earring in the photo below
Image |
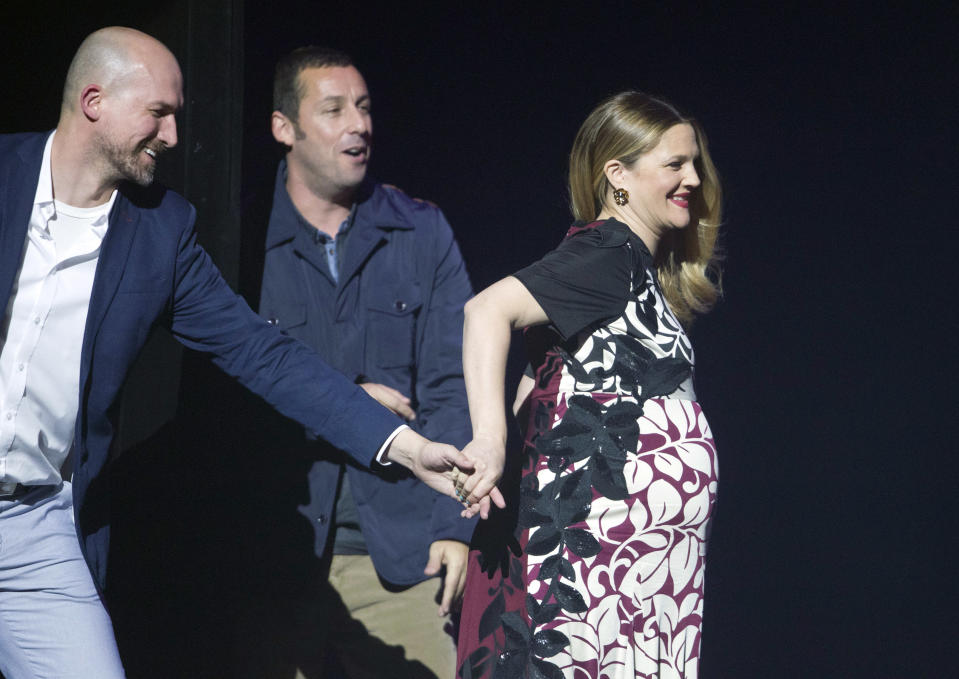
621	196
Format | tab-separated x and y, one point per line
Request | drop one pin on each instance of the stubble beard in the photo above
126	165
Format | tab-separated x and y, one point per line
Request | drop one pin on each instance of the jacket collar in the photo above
372	211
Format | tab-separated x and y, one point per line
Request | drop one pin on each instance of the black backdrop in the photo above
825	369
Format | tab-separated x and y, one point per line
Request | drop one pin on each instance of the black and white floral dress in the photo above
596	568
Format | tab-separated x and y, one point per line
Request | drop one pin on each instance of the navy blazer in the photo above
152	271
395	317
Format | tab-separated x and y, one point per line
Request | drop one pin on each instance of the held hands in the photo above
450	472
487	456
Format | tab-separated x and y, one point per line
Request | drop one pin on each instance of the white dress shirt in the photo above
42	335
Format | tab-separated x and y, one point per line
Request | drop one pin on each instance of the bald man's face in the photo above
137	122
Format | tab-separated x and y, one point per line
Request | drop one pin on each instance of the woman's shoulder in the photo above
606	233
584	280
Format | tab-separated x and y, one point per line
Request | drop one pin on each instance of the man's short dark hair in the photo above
287	88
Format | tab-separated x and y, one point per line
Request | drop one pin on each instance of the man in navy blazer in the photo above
92	255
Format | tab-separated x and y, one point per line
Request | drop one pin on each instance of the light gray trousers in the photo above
52	622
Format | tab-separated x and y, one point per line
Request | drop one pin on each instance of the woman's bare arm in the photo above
490	317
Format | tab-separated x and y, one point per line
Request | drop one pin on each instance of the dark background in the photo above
827	371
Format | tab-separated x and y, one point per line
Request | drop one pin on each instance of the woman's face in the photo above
661	183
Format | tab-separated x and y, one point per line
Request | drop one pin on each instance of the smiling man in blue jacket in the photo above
92	255
374	281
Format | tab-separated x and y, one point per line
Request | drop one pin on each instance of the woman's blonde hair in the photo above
624	127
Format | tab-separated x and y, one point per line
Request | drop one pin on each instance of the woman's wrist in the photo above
489	437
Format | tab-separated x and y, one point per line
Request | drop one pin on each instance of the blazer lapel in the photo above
18	179
114	254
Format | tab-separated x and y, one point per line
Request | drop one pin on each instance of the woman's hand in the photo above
488	455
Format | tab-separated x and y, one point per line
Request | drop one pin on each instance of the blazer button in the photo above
321	519
399	305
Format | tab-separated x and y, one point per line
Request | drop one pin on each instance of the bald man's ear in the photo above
90	100
283	129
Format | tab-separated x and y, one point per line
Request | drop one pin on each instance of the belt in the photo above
10	490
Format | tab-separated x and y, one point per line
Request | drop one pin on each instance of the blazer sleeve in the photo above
208	316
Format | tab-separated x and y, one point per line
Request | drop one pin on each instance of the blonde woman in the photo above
598	569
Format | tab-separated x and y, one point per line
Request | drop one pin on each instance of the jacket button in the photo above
321	519
399	305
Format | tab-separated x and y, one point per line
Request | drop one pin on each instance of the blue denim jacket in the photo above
395	317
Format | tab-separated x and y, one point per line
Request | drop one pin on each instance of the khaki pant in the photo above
353	622
390	633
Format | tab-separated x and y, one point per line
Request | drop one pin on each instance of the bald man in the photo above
92	254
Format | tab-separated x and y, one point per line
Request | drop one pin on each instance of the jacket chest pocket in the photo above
391	330
290	319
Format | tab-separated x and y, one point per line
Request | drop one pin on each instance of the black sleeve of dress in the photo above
584	280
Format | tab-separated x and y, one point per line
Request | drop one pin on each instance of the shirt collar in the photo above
43	198
321	236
